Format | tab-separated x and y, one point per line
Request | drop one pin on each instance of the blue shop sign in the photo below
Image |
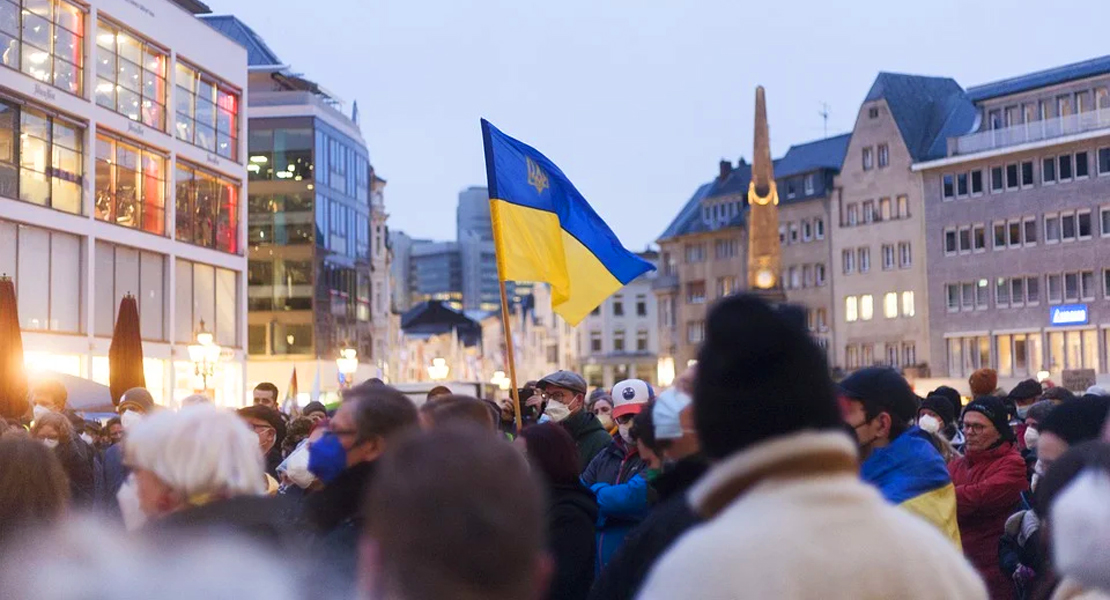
1069	314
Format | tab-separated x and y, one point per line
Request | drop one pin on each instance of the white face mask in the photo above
40	411
556	411
606	420
929	423
1031	437
128	497
88	438
129	418
626	432
49	443
295	467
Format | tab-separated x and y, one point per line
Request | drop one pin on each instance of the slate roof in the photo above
820	154
736	182
928	110
435	318
258	53
1038	79
691	212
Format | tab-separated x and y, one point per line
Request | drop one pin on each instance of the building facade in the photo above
122	166
1018	228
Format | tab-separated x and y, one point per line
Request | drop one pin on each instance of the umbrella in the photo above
13	378
82	395
125	355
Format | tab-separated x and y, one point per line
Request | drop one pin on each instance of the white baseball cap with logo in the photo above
630	396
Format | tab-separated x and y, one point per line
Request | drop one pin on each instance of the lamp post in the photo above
438	370
347	364
204	354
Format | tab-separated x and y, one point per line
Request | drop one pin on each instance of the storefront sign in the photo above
1078	380
1069	314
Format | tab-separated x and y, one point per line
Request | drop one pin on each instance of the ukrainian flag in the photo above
545	231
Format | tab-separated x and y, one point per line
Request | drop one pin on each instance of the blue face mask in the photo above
327	458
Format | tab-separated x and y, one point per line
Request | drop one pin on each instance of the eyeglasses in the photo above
557	396
975	428
625	419
262	428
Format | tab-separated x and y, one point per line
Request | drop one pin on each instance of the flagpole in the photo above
509	347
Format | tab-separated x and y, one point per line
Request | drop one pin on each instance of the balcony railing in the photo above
293	98
665	282
1033	131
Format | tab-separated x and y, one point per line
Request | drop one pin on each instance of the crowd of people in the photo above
754	476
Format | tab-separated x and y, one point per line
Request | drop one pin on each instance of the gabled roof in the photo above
1038	79
690	212
435	318
927	110
258	53
821	154
736	182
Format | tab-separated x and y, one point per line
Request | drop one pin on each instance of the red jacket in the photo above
988	488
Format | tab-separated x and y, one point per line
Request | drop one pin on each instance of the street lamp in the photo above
204	354
347	364
1042	375
438	370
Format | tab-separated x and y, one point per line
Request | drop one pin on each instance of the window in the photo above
595	341
849	261
1067	226
695	332
1014	228
618	341
1106	283
1103	161
212	295
618	305
1030	227
909	353
1064	163
851	356
1055	288
867	159
1084	219
1087	285
884	155
853	214
948	187
726	286
1048	170
793	233
822	319
207	112
819	274
950	246
667	313
866	307
695	292
978	238
965	239
903	207
1017	291
1104	219
890	305
872	113
961	185
967	296
790	188
868	211
952	292
641	305
999	236
1082	167
819	229
283	153
807	276
888	257
641	341
982	294
793	280
49	158
851	309
695	253
130	76
1011	177
1026	173
130	185
908	308
976	183
904	257
864	260
1051	229
1032	290
207	208
1071	286
810	181
996	179
1002	292
46	267
724	248
48	45
807	231
884	209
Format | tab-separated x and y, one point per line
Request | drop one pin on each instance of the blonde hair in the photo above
201	452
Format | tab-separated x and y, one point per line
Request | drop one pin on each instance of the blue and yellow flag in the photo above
545	231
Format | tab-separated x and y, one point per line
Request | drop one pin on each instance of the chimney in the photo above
726	169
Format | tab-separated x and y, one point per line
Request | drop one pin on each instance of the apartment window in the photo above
47	165
853	214
952	292
1026	173
695	332
976	183
1048	170
1064	170
618	341
819	274
864	260
866	307
130	185
695	292
782	234
967	296
1106	283
207	112
790	188
1055	288
868	211
888	257
908	308
884	155
695	253
48	44
1051	229
1071	287
793	233
819	229
982	294
909	353
723	249
1030	227
1104	219
1082	167
884	209
1103	161
212	295
1002	292
1017	291
851	309
131	76
667	312
810	181
961	185
1084	219
595	341
996	179
1011	177
1067	227
849	261
868	159
807	276
905	259
950	246
948	187
978	238
851	356
46	267
207	208
807	231
999	236
726	286
965	239
1032	290
890	305
1087	285
641	305
618	305
641	341
822	319
793	279
903	207
1014	228
872	113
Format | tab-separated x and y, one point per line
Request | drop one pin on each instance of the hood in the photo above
908	467
582	423
575	497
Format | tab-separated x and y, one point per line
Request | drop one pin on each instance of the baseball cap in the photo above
665	414
882	387
564	379
630	396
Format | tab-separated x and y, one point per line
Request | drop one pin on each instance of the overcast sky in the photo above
635	100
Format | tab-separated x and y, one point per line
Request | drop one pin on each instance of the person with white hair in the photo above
199	471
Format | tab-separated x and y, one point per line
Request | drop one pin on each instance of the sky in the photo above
636	101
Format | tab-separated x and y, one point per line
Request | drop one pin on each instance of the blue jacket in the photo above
622	495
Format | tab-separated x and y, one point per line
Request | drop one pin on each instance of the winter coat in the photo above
988	488
571	514
789	519
671	517
334	516
910	472
614	476
79	462
257	519
590	437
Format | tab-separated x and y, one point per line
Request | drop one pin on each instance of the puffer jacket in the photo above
614	476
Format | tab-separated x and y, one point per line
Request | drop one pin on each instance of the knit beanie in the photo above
1058	394
983	382
1040	410
1029	389
995	410
1078	420
940	405
953	397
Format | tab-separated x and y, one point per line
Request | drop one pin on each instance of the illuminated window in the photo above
908	309
207	208
866	307
207	112
47	166
44	40
890	305
130	185
130	76
851	309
